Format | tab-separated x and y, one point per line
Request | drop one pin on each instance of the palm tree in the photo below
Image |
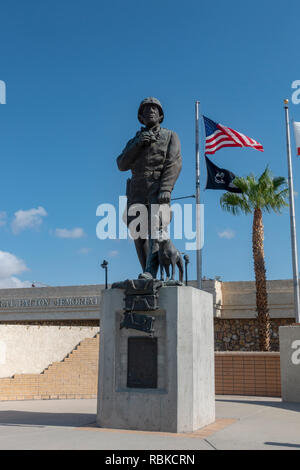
267	193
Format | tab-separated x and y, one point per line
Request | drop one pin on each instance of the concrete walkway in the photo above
241	423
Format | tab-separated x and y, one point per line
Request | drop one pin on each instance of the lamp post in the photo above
104	266
186	260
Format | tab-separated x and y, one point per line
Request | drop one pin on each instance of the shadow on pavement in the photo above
274	404
39	419
283	444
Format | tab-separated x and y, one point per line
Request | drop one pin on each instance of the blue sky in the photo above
75	73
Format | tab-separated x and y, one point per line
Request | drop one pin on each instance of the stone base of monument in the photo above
289	339
162	381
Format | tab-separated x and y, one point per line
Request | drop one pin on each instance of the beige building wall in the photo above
33	325
231	300
238	299
39	326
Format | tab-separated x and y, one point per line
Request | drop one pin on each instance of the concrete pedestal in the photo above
183	400
289	338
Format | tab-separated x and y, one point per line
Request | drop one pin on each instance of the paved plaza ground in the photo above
241	423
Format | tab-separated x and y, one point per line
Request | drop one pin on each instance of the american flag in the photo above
218	136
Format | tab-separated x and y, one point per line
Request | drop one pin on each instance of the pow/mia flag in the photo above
219	178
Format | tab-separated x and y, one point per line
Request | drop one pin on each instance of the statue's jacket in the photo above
154	167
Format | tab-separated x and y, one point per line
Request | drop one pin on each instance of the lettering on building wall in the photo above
48	302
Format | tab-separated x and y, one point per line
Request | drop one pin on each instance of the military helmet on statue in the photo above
150	100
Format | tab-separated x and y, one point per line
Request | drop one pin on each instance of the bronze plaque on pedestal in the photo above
142	362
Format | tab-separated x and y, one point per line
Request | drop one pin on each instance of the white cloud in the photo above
113	253
84	251
10	265
3	216
77	232
13	283
31	218
228	233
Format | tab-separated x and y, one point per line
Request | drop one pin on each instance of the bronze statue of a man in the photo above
154	158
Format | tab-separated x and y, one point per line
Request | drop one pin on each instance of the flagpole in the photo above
198	219
292	215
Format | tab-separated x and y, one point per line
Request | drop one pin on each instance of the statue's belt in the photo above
155	174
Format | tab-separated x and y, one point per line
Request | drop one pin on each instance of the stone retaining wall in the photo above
242	334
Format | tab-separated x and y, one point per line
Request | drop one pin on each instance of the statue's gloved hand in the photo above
164	197
144	138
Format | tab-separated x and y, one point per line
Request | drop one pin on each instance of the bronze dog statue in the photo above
168	255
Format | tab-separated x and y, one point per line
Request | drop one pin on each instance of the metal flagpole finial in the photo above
197	108
286	101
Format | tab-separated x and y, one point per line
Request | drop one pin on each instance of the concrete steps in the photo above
76	376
